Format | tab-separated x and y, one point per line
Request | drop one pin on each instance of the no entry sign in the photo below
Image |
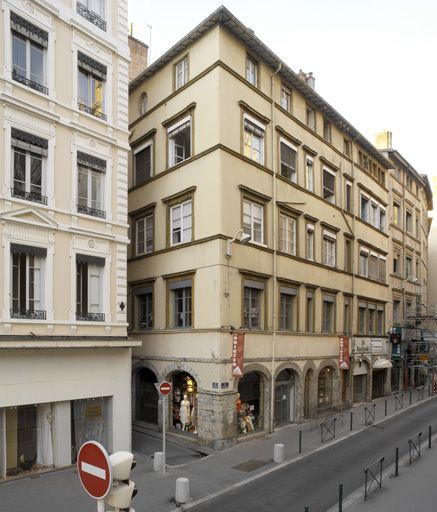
164	388
94	469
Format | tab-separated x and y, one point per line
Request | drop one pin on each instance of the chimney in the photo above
302	75
138	55
383	140
308	78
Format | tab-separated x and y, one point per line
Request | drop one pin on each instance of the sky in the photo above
375	61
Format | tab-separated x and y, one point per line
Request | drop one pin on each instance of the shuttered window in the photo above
143	164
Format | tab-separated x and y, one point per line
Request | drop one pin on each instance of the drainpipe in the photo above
275	249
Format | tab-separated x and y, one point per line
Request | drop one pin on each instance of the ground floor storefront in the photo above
57	399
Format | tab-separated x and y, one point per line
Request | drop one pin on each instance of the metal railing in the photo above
327	430
29	196
29	83
369	415
93	111
95	212
90	317
91	16
373	477
414	447
28	314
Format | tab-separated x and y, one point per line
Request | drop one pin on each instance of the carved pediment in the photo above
29	216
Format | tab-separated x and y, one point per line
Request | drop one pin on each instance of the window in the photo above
364	207
396	214
253	139
310	117
252	306
396	263
181	309
29	154
143	298
288	160
310	242
374	214
29	47
143	163
347	147
396	311
93	11
347	315
347	255
309	173
348	196
408	267
364	262
417	227
327	128
251	71
373	266
91	85
328	185
371	317
288	309
286	99
253	221
90	190
310	311
409	222
417	269
328	318
144	235
181	73
380	320
287	234
362	309
28	282
89	288
382	217
179	141
328	247
181	222
382	265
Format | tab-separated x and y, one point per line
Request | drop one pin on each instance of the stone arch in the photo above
327	362
287	402
254	367
289	366
309	393
144	394
182	367
309	365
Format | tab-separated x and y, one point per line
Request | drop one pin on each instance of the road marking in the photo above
93	470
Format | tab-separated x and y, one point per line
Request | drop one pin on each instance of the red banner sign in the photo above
237	355
343	353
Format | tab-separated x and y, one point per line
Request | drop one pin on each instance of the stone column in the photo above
217	419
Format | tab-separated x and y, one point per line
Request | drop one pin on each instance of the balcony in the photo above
93	111
91	16
28	196
95	212
90	317
29	83
28	314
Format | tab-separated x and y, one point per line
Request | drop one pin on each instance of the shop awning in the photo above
381	364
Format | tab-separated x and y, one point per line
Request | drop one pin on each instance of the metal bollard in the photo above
411	396
158	461
300	441
340	497
307	508
385	410
182	494
352	420
278	453
397	462
429	437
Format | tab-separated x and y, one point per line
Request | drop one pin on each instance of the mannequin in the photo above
184	412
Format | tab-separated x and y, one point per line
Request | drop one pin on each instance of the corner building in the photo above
64	355
229	143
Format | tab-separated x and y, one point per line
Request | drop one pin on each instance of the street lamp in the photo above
241	236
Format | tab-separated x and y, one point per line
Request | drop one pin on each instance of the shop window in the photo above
90	185
179	141
89	288
249	404
287	308
27	276
328	185
325	388
288	155
184	404
91	85
29	155
253	139
287	234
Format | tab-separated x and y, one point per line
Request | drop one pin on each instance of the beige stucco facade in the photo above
64	354
251	161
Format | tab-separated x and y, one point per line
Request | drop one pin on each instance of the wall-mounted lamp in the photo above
241	236
122	305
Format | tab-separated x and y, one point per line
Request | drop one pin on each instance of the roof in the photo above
421	178
225	18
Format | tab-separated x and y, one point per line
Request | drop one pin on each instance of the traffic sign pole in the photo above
164	403
100	505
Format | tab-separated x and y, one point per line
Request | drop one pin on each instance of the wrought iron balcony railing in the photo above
93	111
28	314
29	83
90	317
91	16
29	196
95	212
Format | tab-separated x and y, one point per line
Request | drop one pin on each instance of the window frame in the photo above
327	130
310	310
348	188
332	196
252	62
87	314
185	74
288	322
252	283
290	245
172	207
252	201
309	173
250	135
150	216
135	152
310	119
100	177
143	290
171	128
182	282
328	321
293	170
286	98
329	248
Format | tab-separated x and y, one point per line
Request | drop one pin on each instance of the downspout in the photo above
275	249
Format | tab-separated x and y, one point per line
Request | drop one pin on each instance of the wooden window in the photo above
288	156
287	234
181	71
251	71
253	139
328	185
143	156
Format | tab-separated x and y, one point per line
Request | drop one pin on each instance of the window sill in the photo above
92	116
90	217
30	84
48	96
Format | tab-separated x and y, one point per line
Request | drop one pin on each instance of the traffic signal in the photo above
123	489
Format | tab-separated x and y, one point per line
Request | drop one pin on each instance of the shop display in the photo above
184	403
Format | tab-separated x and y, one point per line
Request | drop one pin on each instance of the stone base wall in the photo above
217	419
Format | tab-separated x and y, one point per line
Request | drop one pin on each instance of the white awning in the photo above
381	364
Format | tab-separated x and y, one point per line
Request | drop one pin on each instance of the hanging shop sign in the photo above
343	352
237	354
